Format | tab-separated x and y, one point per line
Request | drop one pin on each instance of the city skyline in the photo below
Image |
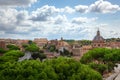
53	19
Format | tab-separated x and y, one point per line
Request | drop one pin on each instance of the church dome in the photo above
98	37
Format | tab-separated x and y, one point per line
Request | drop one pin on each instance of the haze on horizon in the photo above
53	19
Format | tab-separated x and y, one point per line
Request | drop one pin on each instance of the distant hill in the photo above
113	40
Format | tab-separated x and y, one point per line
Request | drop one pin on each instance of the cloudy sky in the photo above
52	19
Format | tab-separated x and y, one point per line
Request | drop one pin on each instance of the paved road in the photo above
26	56
116	75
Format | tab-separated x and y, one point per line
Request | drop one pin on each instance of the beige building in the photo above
85	49
76	49
41	41
53	42
50	55
20	43
79	51
9	41
113	45
61	45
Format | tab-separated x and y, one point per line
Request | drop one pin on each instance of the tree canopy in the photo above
32	48
101	58
13	47
11	56
55	69
2	50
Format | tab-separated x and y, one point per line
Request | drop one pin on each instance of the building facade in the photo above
2	44
41	41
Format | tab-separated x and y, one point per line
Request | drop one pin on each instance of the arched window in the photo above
94	44
98	44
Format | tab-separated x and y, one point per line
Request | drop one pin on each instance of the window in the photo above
98	44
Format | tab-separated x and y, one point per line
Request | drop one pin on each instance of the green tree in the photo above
84	42
32	48
95	54
41	56
13	47
67	69
2	50
99	67
52	48
25	45
102	58
11	56
55	69
66	53
30	42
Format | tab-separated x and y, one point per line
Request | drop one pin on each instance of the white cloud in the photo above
7	21
108	31
81	20
67	9
81	8
101	6
11	20
16	2
52	22
44	13
59	19
22	16
8	15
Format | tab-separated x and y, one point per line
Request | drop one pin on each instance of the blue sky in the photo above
52	19
71	3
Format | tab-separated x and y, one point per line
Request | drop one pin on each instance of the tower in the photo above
98	40
61	38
